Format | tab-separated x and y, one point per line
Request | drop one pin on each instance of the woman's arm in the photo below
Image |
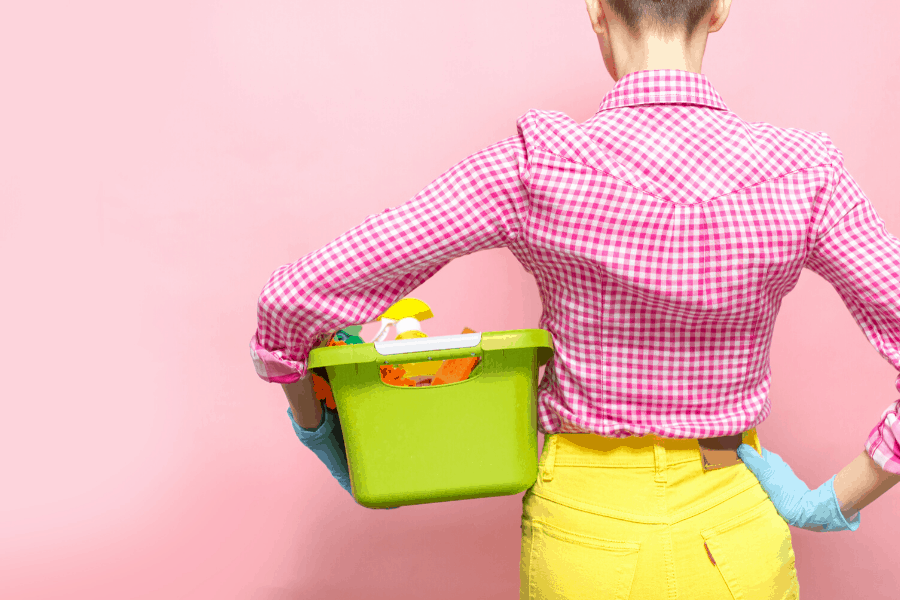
860	483
476	205
854	252
306	407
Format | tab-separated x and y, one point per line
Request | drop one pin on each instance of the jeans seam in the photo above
550	462
615	514
626	516
711	503
531	564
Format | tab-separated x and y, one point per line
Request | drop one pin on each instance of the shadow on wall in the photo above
282	593
442	551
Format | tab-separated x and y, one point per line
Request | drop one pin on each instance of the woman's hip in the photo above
650	480
642	515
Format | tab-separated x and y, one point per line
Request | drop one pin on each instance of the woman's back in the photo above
663	233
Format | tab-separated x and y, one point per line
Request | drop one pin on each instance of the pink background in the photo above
159	160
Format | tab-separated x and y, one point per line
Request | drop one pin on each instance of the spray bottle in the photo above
406	315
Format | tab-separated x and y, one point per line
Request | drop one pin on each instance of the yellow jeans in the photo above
639	518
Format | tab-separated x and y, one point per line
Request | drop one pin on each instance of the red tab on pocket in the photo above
709	554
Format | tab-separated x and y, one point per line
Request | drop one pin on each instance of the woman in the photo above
662	243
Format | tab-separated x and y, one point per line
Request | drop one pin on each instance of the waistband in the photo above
588	449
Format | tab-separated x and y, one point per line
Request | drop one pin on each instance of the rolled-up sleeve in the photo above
883	445
477	205
854	252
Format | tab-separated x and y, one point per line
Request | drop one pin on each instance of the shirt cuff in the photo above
883	444
273	367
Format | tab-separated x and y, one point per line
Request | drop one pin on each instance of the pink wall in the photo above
158	162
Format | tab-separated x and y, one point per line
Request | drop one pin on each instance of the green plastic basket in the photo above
414	445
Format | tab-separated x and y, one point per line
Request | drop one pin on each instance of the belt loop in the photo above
751	438
551	457
659	459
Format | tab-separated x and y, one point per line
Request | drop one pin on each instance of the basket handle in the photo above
429	344
434	348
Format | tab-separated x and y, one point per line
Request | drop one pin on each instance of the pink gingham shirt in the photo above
663	233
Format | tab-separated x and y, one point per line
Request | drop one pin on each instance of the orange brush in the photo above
392	376
323	391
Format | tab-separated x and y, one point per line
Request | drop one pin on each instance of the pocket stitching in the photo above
712	534
586	540
735	521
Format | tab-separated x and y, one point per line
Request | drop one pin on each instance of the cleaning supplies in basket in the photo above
456	369
448	371
405	315
347	335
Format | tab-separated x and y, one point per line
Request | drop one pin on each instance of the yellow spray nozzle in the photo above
407	307
402	309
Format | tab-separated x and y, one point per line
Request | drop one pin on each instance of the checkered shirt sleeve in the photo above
861	260
476	205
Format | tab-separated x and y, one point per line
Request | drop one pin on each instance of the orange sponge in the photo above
456	369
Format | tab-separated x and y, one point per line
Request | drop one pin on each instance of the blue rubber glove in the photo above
815	510
327	443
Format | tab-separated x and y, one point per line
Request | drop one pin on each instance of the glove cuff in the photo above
312	436
327	443
839	522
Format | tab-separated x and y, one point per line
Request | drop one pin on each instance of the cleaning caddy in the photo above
414	445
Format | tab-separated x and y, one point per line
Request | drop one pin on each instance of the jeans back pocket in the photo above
753	552
565	565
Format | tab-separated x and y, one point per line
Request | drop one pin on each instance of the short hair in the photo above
667	18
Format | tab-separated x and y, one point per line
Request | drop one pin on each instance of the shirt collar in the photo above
662	86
